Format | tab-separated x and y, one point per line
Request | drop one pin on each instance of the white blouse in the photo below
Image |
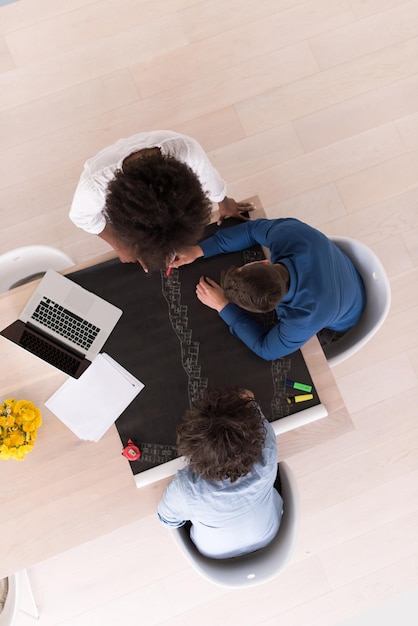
89	198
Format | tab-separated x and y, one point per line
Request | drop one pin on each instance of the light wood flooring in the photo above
312	106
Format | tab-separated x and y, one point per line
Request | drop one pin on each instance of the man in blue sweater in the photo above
310	283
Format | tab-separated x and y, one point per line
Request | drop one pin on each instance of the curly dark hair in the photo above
156	205
256	287
222	435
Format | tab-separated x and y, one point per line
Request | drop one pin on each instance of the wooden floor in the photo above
312	106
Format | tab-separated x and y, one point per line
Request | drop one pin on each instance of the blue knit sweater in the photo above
325	291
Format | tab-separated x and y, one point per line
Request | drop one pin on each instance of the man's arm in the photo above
267	344
227	240
237	238
186	255
170	507
270	344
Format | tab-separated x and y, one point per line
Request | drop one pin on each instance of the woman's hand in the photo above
211	294
230	208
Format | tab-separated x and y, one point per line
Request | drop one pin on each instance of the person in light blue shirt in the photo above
226	490
310	283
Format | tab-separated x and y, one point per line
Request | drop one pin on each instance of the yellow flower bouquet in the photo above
19	421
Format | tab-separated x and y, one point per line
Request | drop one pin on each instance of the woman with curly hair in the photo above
226	490
150	194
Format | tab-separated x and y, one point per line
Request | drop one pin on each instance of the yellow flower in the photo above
19	421
28	427
17	439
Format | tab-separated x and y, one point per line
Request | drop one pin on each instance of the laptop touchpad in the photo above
79	300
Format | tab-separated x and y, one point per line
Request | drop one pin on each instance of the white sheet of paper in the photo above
89	405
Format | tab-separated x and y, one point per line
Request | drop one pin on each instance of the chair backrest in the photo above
29	262
18	586
10	610
257	567
378	298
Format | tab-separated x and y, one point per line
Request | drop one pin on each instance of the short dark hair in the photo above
256	287
156	205
222	435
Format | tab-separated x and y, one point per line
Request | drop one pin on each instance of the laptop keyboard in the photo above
49	353
53	316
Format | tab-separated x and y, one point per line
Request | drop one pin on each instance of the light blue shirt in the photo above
228	519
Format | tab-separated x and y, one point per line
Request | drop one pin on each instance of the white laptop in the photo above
64	324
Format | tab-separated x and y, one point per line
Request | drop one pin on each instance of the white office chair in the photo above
29	262
12	605
257	567
378	298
